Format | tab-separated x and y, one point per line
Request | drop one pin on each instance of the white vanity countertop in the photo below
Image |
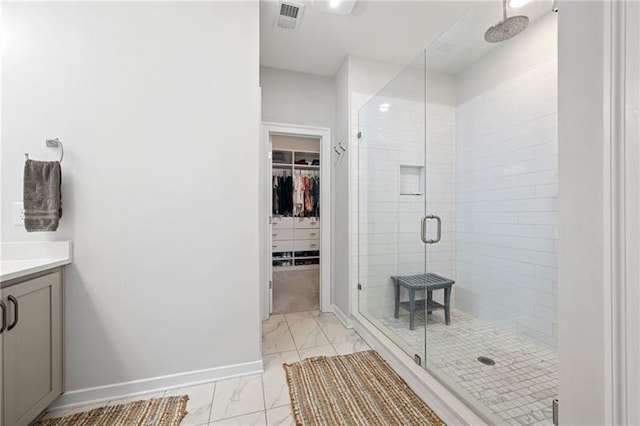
18	259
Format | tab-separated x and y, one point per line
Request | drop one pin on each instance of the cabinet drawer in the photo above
282	234
307	234
307	222
281	222
307	245
278	246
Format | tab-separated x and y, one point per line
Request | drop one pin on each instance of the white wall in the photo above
159	116
507	185
297	98
340	196
585	389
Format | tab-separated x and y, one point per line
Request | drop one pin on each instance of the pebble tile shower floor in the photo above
519	388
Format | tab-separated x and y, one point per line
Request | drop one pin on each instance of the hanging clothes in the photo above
287	196
298	195
282	197
315	196
275	195
308	205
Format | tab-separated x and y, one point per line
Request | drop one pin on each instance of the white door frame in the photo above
599	213
324	134
623	180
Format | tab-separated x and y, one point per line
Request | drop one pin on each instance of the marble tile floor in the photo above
518	389
260	399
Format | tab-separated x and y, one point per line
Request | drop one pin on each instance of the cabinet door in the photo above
33	349
4	300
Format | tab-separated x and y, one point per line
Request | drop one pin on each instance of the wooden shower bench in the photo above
429	282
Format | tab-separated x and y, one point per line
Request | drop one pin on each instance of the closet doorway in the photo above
295	219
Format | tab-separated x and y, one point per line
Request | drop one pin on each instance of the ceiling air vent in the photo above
289	15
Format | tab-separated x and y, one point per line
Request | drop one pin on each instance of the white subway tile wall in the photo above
391	152
506	202
491	175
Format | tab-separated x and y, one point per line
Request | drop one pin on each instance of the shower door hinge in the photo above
359	286
417	359
269	155
555	407
359	135
270	285
270	220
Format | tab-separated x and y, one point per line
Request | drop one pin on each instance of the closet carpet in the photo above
296	291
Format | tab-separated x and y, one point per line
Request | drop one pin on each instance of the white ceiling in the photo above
390	31
462	44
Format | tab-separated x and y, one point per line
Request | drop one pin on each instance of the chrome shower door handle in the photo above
423	229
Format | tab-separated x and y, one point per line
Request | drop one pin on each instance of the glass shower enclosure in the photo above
457	194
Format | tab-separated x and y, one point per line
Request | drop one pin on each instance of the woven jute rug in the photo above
152	412
354	389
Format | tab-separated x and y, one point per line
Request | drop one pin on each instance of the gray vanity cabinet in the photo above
31	345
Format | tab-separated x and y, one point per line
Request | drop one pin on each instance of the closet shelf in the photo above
295	166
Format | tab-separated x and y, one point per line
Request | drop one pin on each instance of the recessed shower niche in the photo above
412	179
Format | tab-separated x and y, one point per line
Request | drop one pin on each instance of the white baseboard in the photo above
344	319
445	404
140	387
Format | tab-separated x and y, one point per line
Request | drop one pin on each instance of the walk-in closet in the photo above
295	236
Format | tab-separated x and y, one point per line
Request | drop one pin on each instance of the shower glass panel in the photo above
466	138
391	204
492	177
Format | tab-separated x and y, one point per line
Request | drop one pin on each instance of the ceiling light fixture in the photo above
515	4
335	7
384	107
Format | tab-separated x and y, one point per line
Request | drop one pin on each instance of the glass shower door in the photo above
492	178
391	206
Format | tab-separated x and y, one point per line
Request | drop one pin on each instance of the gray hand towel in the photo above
42	197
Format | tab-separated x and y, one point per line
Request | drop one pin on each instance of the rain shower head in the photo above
507	28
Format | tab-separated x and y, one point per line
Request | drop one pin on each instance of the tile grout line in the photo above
233	417
295	345
264	399
325	334
213	396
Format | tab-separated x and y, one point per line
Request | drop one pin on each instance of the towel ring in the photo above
51	143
